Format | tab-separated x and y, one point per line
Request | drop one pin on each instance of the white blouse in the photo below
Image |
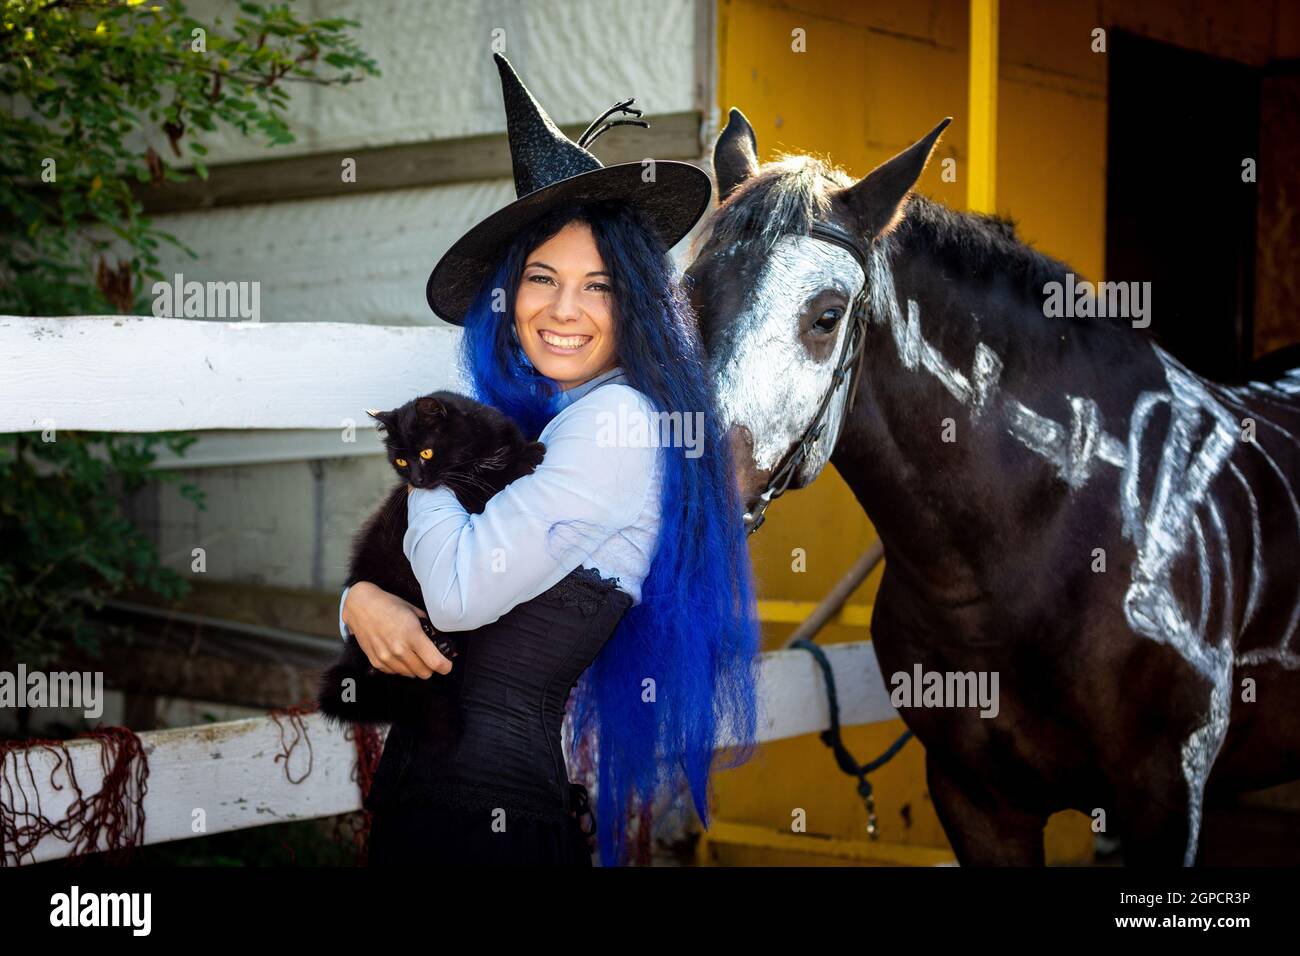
600	483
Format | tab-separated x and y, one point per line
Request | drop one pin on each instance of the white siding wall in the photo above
365	258
439	80
285	524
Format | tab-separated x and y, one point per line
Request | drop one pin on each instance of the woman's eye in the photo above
598	286
401	463
427	454
828	320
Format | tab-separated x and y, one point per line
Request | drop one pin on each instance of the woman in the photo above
617	567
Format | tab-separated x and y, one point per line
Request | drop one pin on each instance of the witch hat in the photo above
550	170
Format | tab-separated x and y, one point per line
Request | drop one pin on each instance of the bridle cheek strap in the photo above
849	363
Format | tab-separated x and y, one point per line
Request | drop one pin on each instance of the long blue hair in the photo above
695	631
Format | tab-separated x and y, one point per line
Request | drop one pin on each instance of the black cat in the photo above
439	439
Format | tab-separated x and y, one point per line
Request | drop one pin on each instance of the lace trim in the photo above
583	588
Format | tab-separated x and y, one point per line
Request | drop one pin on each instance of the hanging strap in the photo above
832	738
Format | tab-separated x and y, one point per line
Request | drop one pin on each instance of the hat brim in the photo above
674	202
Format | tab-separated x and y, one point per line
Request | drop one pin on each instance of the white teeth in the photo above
565	341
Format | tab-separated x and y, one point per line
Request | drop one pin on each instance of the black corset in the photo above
515	678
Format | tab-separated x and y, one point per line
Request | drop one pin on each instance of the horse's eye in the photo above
401	463
829	319
427	454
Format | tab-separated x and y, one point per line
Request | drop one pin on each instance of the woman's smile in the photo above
564	307
563	344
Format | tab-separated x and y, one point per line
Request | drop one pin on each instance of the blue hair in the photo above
695	631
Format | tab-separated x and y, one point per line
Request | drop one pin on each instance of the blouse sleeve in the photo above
590	485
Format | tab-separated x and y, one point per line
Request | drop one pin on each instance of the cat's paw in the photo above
532	454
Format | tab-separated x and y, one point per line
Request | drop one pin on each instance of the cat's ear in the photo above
429	408
385	419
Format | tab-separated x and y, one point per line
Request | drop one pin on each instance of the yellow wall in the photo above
875	77
871	82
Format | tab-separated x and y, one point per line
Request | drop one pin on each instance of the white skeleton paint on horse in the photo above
1169	474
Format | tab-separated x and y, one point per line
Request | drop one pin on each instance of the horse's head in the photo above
776	293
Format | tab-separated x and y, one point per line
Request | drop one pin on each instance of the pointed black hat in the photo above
551	170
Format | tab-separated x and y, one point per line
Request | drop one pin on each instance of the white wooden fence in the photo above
267	392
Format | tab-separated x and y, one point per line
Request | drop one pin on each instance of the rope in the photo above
349	828
369	748
833	739
295	714
110	820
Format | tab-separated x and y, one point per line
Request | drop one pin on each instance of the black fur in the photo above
476	451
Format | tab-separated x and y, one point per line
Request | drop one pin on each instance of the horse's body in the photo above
1060	502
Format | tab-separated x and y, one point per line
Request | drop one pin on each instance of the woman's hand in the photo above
389	632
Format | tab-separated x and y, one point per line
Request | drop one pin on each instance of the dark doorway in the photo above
1178	214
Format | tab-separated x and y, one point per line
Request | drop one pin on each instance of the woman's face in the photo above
564	310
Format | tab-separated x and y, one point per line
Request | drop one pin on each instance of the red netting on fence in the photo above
110	820
369	746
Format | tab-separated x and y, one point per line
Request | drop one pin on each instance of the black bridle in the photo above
850	361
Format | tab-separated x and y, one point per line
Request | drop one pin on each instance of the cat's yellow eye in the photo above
427	454
401	463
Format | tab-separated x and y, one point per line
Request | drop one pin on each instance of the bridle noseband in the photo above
850	361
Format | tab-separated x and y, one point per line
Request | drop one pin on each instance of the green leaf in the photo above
79	96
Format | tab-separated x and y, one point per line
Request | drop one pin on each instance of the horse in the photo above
1061	503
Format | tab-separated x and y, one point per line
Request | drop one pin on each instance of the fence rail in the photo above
142	374
261	770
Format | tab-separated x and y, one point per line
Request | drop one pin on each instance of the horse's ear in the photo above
877	199
735	154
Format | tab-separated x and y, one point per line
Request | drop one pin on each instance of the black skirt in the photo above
499	793
439	835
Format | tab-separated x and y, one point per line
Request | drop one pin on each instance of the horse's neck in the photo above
954	365
987	440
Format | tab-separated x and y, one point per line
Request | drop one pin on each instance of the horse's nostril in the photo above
748	479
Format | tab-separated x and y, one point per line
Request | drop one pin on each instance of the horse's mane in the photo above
788	194
783	198
976	245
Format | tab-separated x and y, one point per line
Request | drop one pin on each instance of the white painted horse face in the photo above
776	365
774	302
